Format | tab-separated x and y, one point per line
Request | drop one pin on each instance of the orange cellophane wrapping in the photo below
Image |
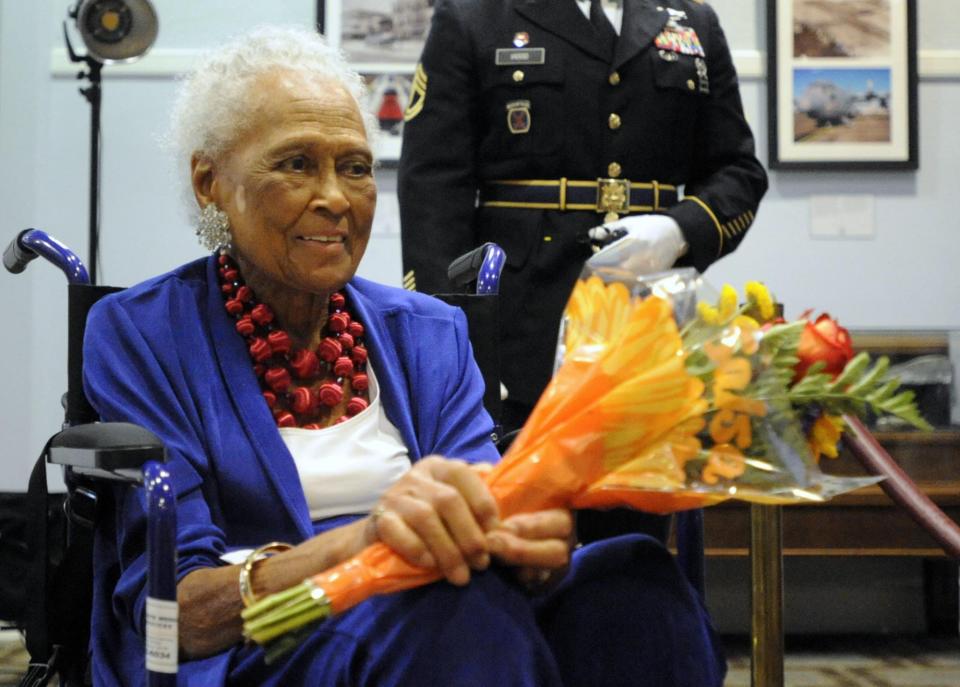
610	430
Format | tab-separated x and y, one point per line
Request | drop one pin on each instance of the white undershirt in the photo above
345	468
613	10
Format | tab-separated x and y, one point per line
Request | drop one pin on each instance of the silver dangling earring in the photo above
213	229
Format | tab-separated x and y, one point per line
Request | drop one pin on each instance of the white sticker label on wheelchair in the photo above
162	635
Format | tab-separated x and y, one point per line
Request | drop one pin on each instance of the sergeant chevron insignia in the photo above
418	94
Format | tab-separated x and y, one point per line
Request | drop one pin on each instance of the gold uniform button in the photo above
690	84
614	121
614	78
613	169
518	76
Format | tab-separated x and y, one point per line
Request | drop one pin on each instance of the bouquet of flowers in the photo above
658	403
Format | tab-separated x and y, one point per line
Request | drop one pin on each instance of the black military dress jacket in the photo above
569	111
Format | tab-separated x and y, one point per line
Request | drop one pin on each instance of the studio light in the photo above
114	31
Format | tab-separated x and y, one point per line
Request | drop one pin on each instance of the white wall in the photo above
904	276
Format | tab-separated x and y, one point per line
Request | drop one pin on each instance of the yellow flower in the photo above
728	302
758	295
708	313
749	328
824	436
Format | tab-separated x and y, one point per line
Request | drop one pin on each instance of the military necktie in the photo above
606	34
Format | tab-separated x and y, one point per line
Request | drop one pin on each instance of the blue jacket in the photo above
165	355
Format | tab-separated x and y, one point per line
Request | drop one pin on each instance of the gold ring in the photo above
376	513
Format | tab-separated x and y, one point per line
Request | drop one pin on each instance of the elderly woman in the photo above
302	404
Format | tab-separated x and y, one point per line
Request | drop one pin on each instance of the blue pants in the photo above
624	615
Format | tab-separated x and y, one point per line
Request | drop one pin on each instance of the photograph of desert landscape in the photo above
841	28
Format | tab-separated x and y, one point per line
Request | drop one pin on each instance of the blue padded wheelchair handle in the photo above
488	277
33	243
482	265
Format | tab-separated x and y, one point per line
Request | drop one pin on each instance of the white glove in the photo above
642	244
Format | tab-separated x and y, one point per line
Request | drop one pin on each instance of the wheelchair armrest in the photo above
108	450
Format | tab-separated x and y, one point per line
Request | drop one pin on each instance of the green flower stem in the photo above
284	612
272	601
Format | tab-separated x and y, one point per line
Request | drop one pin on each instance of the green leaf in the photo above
870	379
851	372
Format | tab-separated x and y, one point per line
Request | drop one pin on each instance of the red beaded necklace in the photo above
341	355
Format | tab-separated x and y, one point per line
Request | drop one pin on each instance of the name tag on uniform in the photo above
680	39
508	56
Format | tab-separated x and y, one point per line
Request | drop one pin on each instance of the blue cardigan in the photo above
165	355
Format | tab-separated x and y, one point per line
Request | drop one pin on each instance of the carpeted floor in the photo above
856	661
848	661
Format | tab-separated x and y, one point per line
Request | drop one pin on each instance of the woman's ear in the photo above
202	176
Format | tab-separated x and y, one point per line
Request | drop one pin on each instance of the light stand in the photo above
93	94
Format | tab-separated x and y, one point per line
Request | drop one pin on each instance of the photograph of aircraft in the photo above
385	32
847	105
841	28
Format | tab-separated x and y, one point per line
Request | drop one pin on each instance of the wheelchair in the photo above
95	456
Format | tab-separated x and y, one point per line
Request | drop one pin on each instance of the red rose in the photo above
824	340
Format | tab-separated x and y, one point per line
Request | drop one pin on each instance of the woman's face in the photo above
298	185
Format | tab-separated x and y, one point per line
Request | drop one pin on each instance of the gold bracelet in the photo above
246	570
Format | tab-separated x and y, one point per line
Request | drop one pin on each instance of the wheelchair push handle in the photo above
482	266
34	243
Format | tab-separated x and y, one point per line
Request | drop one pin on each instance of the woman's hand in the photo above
438	515
539	543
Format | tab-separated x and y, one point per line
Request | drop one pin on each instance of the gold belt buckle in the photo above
613	198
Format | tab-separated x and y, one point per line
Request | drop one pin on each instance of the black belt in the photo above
619	196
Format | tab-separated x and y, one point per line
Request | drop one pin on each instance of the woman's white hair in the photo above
212	107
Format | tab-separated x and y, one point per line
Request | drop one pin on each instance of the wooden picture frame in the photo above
842	84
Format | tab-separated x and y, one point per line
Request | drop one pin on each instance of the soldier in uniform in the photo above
531	122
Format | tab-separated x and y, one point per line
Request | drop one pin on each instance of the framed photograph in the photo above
382	41
387	99
842	84
377	36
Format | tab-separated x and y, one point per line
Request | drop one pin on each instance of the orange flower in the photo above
824	436
727	426
823	340
723	462
730	379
